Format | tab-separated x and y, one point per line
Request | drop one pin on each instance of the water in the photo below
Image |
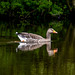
23	62
55	58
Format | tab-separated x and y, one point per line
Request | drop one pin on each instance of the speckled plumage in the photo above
30	37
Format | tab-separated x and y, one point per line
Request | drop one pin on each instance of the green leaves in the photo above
56	10
44	4
4	6
15	5
33	8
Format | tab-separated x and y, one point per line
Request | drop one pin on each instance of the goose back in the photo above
31	35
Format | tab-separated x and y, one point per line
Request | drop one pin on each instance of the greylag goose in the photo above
30	37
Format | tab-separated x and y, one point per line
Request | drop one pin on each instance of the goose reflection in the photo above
28	46
50	50
32	46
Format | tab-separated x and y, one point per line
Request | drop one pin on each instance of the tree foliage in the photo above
32	7
4	6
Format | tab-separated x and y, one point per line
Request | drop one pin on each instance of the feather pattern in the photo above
30	37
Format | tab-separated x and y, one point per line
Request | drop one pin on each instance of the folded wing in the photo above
30	35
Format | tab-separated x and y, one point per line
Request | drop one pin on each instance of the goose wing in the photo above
31	35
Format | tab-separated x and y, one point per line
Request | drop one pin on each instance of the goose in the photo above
30	37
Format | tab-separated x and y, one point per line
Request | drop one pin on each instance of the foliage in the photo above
30	8
56	10
34	12
4	6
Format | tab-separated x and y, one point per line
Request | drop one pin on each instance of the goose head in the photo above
51	30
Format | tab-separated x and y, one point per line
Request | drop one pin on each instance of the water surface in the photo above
21	59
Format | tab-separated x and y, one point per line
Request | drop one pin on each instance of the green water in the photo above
38	61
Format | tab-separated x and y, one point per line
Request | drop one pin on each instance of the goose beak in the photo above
55	50
55	31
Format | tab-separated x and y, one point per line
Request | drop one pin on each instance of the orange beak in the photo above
54	31
55	50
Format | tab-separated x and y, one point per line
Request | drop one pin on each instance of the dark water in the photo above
55	58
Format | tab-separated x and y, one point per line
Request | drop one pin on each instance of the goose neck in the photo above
48	35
